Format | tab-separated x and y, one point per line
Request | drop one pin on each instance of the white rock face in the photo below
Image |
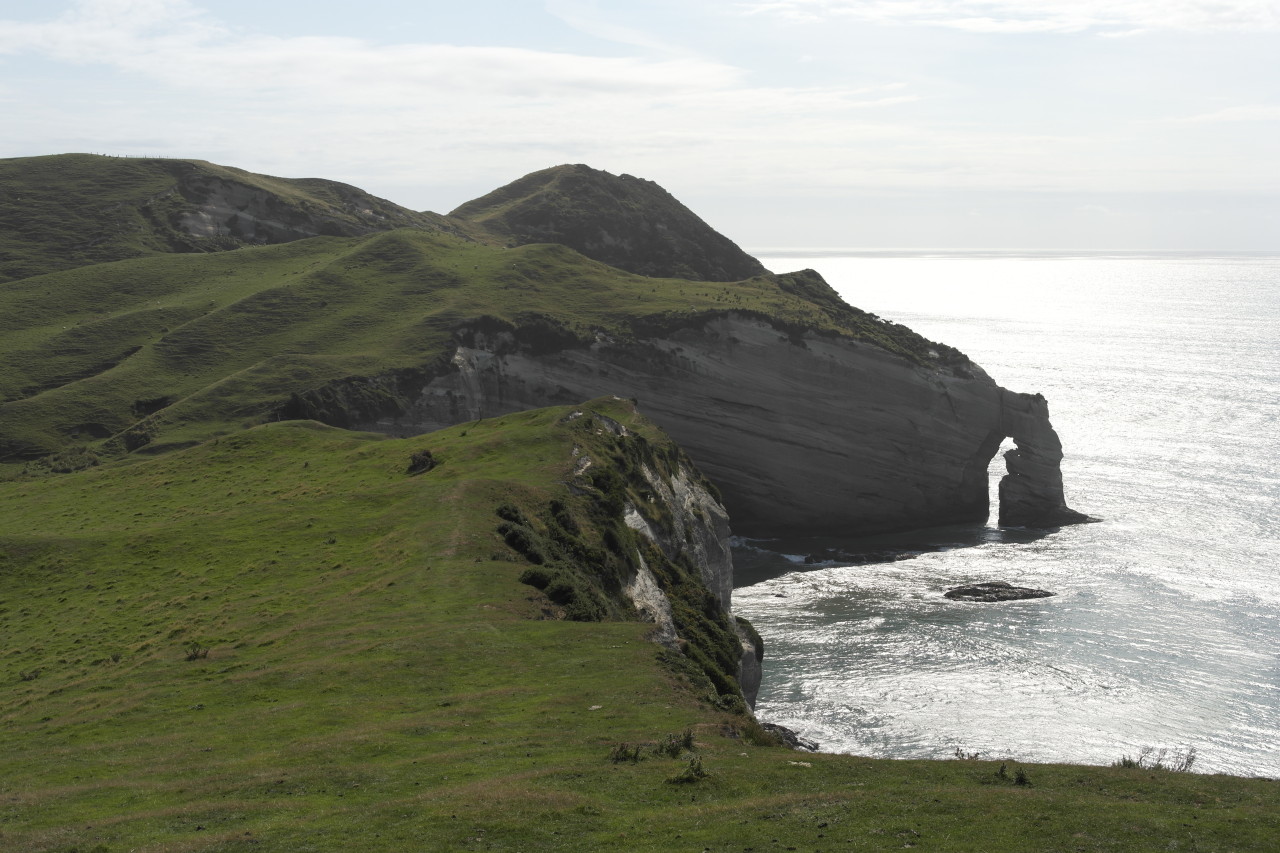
699	534
652	605
810	434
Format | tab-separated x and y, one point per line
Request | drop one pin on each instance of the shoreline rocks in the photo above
994	591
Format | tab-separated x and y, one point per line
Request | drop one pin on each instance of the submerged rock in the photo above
994	591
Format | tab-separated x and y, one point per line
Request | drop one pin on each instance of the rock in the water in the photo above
995	591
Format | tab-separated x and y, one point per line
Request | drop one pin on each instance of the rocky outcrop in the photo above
994	591
697	534
623	221
1031	493
803	432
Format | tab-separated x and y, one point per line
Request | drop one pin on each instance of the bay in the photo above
1163	379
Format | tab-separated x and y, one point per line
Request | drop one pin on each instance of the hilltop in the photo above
621	220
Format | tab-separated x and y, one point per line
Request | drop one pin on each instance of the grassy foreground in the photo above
282	641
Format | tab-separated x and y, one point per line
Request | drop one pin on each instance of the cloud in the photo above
173	42
586	17
1250	112
1113	17
166	77
171	71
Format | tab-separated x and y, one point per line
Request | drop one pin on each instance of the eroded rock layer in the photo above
803	432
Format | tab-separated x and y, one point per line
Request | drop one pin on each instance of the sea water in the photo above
1163	379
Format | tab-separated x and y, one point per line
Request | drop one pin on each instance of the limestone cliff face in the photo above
802	432
689	527
1031	493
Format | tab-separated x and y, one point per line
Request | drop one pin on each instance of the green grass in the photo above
71	210
379	679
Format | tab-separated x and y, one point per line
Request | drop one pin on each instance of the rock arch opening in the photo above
996	471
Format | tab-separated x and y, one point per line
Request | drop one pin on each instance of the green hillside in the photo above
282	640
622	220
169	350
70	210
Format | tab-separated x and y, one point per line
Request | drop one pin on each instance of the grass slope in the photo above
69	210
624	221
201	345
378	679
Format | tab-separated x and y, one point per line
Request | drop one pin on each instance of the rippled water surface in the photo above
1163	380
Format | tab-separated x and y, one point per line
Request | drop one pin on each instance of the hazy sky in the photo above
1089	124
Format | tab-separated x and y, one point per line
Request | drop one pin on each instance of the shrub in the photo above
672	745
692	772
1150	758
538	577
195	651
420	462
625	752
524	541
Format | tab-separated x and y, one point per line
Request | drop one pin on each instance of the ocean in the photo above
1162	373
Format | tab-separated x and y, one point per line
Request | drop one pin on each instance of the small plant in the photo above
29	676
625	752
961	755
195	651
1150	758
692	772
673	745
1020	778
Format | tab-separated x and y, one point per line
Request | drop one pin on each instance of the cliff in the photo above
803	431
812	416
660	543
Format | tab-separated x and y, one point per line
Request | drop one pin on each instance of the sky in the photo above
1024	124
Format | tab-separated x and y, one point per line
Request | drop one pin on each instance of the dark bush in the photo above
523	540
421	462
536	577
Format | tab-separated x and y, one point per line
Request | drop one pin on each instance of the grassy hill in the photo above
71	210
164	351
622	220
281	640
